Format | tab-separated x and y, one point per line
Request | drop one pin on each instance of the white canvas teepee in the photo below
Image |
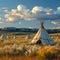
42	36
28	36
14	37
3	37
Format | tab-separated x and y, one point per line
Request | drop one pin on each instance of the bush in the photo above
50	55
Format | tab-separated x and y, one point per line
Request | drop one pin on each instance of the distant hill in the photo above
14	29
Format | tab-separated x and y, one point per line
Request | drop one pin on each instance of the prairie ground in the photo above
17	47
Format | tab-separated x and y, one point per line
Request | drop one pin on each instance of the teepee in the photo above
14	37
42	36
3	37
28	36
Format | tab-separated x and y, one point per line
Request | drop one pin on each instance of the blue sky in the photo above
6	7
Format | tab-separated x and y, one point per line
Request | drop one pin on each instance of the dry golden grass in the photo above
44	51
19	58
22	39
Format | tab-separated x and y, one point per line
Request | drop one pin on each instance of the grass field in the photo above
19	48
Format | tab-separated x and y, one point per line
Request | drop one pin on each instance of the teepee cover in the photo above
42	36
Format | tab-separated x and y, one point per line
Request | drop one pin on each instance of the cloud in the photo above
41	10
21	13
36	13
4	9
37	9
55	22
58	8
41	13
49	11
10	19
21	8
58	11
1	21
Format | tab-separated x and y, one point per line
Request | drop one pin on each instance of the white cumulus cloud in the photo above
55	22
36	13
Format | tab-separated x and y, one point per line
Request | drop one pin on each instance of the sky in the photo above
28	13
